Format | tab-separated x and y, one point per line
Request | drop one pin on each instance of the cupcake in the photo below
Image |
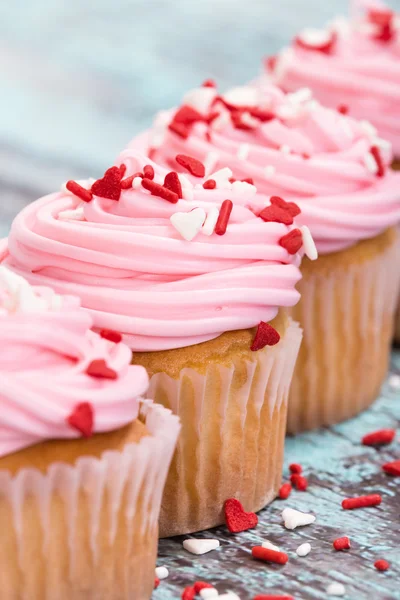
83	460
336	170
194	281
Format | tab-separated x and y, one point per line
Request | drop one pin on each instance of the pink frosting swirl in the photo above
46	346
293	147
134	271
361	70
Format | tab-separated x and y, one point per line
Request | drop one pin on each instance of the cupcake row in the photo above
195	261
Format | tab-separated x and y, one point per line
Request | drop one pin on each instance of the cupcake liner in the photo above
233	428
347	313
87	531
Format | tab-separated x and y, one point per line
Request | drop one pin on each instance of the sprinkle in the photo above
99	368
270	545
188	593
376	153
243	188
379	438
210	184
394	382
270	170
371	163
210	592
211	161
299	482
211	221
291	207
294	518
189	224
284	491
194	166
223	217
209	83
382	144
343	109
276	214
112	336
295	468
362	501
392	468
336	589
82	419
159	190
315	39
381	565
202	585
172	182
201	99
270	62
243	151
310	249
148	172
285	149
156	583
292	241
180	129
200	546
187	115
236	518
249	180
380	16
162	572
72	215
302	95
262	115
137	183
266	335
268	555
122	169
303	549
342	543
222	177
109	186
243	96
127	183
79	191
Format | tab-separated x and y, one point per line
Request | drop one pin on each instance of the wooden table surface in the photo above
78	80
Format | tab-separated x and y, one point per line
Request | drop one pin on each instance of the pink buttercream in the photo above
315	156
137	275
46	346
361	71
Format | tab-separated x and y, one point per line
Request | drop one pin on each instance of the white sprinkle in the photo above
211	221
200	99
162	572
288	111
188	224
222	178
336	589
242	188
370	163
243	151
394	382
222	121
315	37
309	246
269	170
72	215
211	161
347	130
208	593
248	120
200	546
242	96
294	518
187	194
302	95
285	149
381	143
137	183
270	546
368	128
303	549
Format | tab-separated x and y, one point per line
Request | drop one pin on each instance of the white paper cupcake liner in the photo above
87	531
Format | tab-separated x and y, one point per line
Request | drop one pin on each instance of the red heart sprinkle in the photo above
187	115
266	335
276	214
99	368
392	468
236	518
81	419
180	129
110	185
112	336
291	207
380	17
292	241
172	182
194	166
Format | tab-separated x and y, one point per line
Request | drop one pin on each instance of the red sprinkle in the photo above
127	183
376	153
210	184
79	191
151	153
291	207
148	172
223	218
269	555
99	368
270	62
236	518
379	16
180	129
386	33
187	115
362	501
299	482
188	593
108	186
122	169
342	543
292	241
284	491
156	583
172	182
249	180
112	336
295	468
261	115
343	109
159	190
194	166
273	597
326	47
201	585
276	214
392	468
381	565
237	121
266	335
82	419
379	438
209	83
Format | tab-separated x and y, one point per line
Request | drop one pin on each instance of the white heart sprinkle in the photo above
309	246
162	573
242	188
336	589
303	549
294	518
211	221
200	546
222	177
188	224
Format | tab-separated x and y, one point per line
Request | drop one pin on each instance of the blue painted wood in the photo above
78	80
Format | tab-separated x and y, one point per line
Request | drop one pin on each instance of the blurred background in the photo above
80	77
